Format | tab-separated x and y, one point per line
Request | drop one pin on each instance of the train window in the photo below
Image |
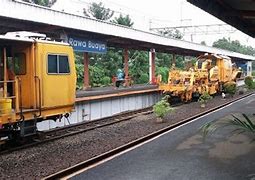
58	64
19	63
63	64
52	64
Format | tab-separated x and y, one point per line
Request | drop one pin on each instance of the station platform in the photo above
111	91
182	153
97	103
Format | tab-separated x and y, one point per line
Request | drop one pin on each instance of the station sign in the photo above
87	45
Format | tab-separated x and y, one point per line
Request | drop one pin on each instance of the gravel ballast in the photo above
45	159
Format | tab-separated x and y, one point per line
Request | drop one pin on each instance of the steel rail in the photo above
50	133
71	130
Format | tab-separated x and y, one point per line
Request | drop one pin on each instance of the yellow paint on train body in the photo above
209	74
44	83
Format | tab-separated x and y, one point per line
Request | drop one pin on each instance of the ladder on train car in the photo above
28	128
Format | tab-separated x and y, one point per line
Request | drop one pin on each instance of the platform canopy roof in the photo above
238	13
16	15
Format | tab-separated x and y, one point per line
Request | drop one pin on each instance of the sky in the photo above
161	13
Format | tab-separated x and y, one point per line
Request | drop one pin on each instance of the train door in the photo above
58	75
22	64
8	83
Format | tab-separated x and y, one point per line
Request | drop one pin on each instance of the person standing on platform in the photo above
120	77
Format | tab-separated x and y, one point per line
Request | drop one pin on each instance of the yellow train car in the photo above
210	73
37	82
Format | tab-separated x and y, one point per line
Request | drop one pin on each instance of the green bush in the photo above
248	80
79	74
144	78
163	71
106	80
230	88
96	75
204	98
162	107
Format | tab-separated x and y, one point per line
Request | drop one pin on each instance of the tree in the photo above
102	67
123	20
139	66
47	3
235	46
79	70
179	63
111	61
98	11
164	72
163	62
163	59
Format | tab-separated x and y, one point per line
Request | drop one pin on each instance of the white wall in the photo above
96	109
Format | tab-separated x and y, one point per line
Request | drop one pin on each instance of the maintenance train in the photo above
210	73
37	82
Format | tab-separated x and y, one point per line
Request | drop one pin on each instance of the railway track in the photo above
85	164
61	132
58	133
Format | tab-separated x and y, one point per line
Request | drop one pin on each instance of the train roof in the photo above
9	38
29	38
217	56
